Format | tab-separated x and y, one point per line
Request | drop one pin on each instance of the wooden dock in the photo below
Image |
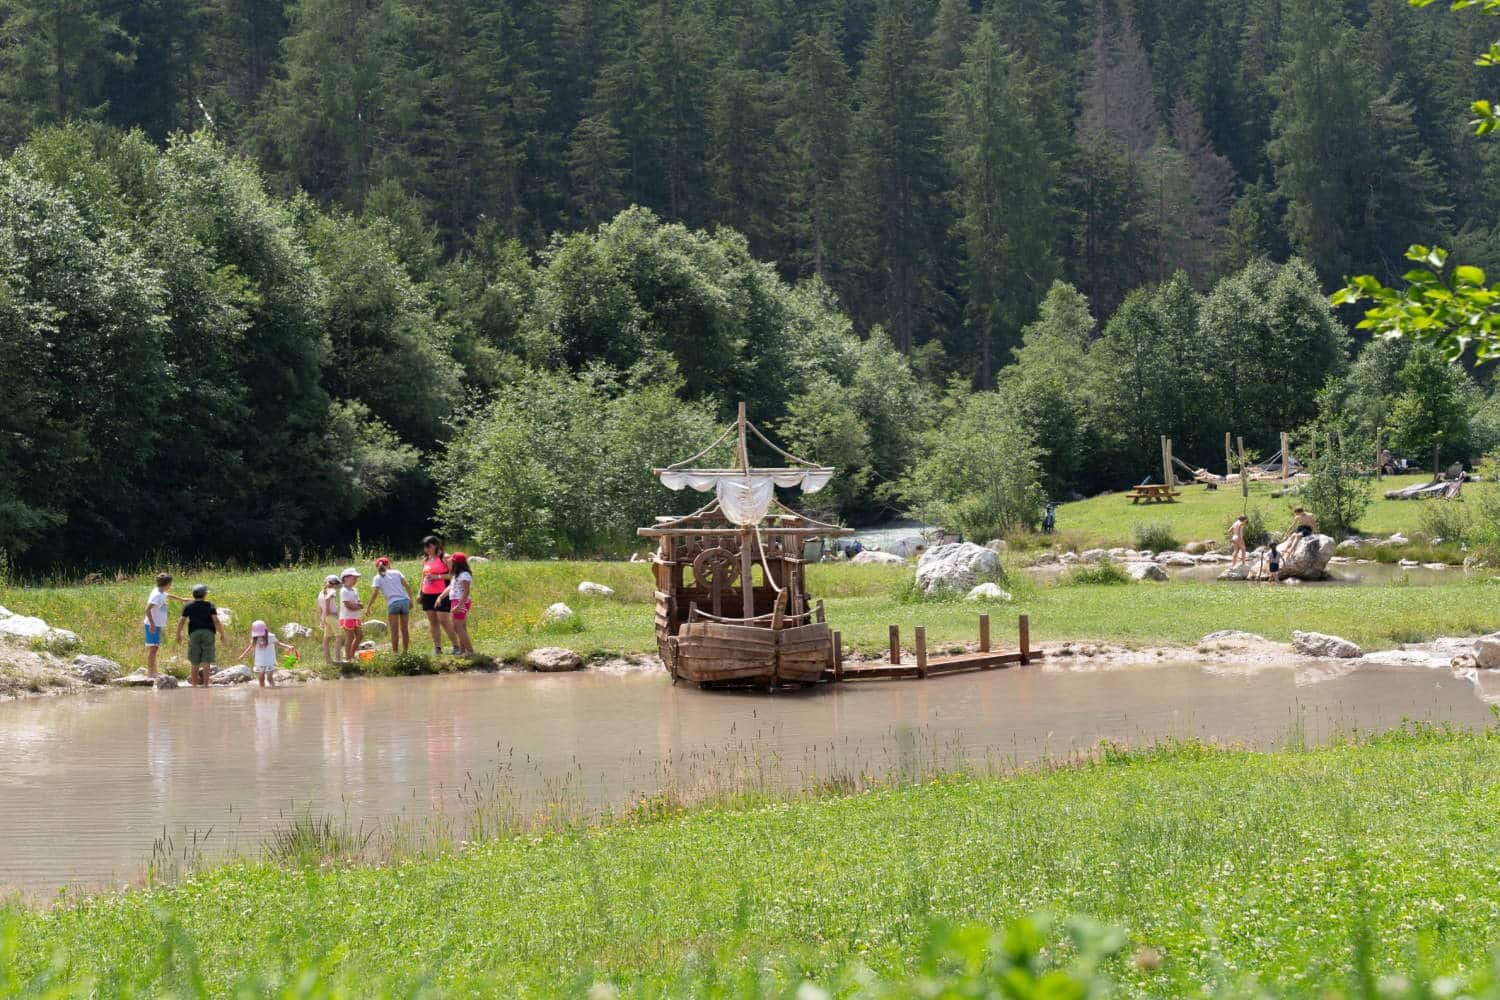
924	666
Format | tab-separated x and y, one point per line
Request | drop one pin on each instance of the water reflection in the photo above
88	782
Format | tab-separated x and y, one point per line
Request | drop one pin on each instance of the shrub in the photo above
1153	536
1096	574
1336	490
1446	519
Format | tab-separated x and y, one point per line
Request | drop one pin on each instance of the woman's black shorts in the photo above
431	602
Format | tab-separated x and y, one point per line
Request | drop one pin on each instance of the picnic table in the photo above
1153	494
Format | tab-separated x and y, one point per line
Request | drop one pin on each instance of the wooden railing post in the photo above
895	645
1025	630
838	656
921	651
984	633
819	616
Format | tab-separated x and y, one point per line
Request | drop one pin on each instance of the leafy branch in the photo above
1448	309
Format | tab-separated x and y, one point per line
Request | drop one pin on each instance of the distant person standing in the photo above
460	595
155	621
391	585
434	598
1049	519
204	628
351	613
1237	541
328	617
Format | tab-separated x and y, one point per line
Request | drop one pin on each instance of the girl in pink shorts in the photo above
460	594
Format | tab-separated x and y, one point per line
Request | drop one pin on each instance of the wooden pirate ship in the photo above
732	605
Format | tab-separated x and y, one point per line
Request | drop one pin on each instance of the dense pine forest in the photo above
274	272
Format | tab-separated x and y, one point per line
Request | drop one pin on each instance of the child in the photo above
1237	540
460	595
265	652
328	615
350	618
204	629
1275	565
391	585
155	621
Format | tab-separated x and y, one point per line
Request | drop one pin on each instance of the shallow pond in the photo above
89	782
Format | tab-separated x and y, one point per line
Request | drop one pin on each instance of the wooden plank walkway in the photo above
985	659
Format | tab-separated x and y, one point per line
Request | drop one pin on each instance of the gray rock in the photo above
1045	559
870	557
1232	635
1240	571
553	659
1408	564
233	675
1147	571
1318	644
1094	555
1176	559
988	592
997	545
595	589
478	560
1068	558
226	616
1211	558
6	612
1487	651
1434	565
556	614
291	630
1309	560
94	669
1396	539
26	627
1198	548
958	566
166	682
136	680
377	628
907	546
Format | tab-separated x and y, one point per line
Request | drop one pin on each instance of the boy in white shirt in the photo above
350	612
156	618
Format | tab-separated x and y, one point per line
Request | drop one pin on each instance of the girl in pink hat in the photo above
265	646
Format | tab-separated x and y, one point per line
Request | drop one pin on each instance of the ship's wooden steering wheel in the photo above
717	570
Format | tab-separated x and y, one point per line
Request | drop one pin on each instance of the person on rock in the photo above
204	629
1302	528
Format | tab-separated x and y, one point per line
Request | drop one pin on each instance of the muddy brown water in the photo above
89	782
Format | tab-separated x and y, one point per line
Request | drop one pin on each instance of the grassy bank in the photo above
1227	866
1200	513
862	602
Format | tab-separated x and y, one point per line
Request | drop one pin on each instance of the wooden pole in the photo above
895	645
1228	457
1244	470
838	656
922	651
818	615
984	633
1286	458
1379	451
1024	627
1166	463
747	535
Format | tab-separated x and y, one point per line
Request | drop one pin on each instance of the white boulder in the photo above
1146	571
226	616
553	659
26	627
871	557
1487	651
1232	635
595	589
139	679
557	614
478	560
1239	571
1094	555
957	566
232	675
988	592
166	682
1318	644
1176	559
5	612
1308	559
291	630
377	628
907	546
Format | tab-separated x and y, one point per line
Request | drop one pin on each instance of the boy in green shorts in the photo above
204	628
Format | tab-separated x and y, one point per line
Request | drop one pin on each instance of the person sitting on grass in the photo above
460	595
351	613
328	618
156	618
390	584
204	628
1237	541
265	646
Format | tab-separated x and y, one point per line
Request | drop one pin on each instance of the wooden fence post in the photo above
895	645
1024	627
1379	468
921	651
1166	462
1228	457
984	633
838	656
1244	470
1286	458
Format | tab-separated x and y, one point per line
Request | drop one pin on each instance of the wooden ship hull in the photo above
719	654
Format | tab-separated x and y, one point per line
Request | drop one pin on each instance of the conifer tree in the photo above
55	57
815	131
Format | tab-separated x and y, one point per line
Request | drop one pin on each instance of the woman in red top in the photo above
435	574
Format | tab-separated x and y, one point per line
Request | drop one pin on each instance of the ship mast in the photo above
747	533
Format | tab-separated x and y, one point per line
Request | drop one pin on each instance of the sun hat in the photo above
351	571
382	561
257	627
200	590
330	578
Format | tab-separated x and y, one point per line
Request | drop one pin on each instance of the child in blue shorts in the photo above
156	618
